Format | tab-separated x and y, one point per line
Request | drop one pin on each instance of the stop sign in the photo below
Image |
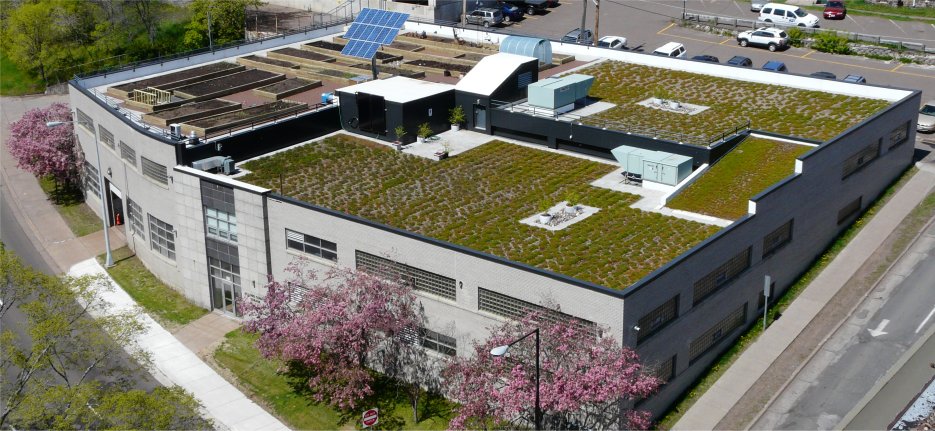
371	417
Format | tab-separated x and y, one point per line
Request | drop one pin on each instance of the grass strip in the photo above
290	399
71	206
717	369
164	304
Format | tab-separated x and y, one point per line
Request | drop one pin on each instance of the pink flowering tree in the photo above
585	380
332	328
46	151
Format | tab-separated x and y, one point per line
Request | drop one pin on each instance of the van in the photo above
787	14
671	49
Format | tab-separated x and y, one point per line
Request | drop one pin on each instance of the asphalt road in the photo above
895	315
648	25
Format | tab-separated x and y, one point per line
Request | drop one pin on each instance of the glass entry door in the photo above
225	286
480	117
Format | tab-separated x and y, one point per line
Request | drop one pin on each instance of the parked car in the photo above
531	7
756	5
486	17
855	79
574	36
511	12
705	57
612	42
824	75
770	37
835	10
739	60
671	49
775	66
926	121
788	15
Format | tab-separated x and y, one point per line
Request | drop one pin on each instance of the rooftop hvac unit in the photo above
209	163
228	166
176	131
193	138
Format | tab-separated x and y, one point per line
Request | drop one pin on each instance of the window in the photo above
221	224
151	169
858	161
718	278
311	245
664	370
899	135
418	279
507	306
431	340
161	237
105	136
850	209
717	332
657	319
777	239
135	215
84	120
127	153
91	182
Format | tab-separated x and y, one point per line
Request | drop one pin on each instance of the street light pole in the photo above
501	350
109	262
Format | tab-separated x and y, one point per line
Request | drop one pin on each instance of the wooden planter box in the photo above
241	117
445	44
325	51
176	79
286	88
192	111
229	84
324	65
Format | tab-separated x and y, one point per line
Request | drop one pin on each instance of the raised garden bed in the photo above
267	61
286	88
381	57
191	111
788	111
750	168
176	79
477	198
301	54
415	74
448	43
242	117
439	66
229	84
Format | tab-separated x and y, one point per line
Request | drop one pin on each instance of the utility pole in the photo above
597	20
584	12
766	283
210	41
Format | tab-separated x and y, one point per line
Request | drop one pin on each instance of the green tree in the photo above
29	36
63	369
227	21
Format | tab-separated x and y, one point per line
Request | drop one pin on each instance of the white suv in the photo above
771	38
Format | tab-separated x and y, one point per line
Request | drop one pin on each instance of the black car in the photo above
824	75
708	58
531	7
739	60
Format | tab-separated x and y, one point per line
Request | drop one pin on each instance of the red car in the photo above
835	10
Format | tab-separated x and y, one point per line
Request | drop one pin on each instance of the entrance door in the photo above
225	287
116	206
480	117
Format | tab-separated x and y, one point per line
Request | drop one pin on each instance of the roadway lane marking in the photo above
808	54
919	328
667	27
852	19
897	26
879	330
726	40
738	6
897	67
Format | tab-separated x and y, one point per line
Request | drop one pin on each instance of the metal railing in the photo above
227	132
696	139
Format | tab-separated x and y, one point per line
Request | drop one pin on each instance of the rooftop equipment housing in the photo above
560	94
528	46
655	166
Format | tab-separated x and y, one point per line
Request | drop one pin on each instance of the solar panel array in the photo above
372	28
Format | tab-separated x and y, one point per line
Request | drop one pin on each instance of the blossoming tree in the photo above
585	379
46	151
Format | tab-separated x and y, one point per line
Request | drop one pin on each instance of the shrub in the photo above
400	132
832	43
456	115
424	130
796	35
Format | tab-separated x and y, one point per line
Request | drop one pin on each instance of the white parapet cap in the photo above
221	179
399	89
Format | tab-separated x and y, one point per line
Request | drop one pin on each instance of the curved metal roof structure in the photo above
528	46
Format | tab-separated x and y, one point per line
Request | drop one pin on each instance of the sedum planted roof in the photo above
477	199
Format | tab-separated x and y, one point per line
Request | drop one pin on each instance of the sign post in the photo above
765	299
370	417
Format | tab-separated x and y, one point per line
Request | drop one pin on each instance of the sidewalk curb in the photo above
837	327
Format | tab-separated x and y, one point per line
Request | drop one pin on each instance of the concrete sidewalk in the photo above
717	401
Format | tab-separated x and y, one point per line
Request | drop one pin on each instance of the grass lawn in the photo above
787	111
14	82
477	198
71	206
161	302
288	397
750	168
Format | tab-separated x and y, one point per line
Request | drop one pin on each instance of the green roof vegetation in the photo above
477	198
751	167
773	108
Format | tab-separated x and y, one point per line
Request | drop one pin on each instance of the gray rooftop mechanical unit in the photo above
175	130
226	164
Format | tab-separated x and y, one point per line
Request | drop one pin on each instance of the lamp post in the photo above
501	350
100	183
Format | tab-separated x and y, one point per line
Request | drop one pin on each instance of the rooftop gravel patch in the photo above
750	168
476	198
788	111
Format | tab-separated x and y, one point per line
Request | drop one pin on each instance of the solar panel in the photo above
372	28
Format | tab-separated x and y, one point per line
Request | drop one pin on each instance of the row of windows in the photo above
84	120
510	307
91	177
777	238
721	276
153	170
657	319
312	245
431	340
860	160
105	136
418	279
127	154
717	332
135	217
161	237
221	224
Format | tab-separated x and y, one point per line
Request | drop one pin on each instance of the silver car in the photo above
756	5
926	121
